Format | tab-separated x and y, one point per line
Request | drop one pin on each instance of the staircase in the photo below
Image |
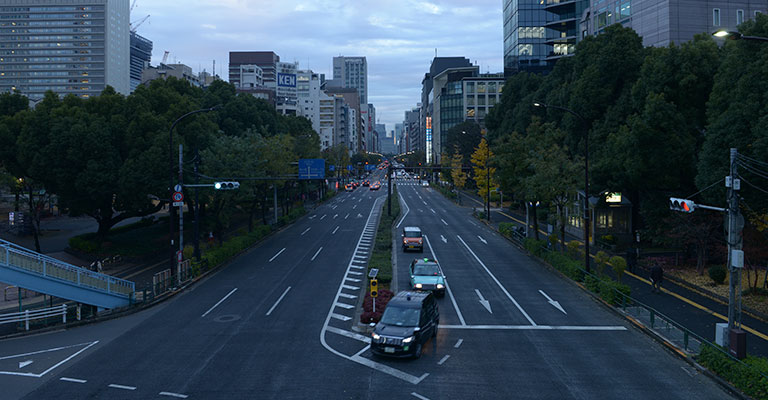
25	268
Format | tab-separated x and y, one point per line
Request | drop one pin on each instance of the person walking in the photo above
657	276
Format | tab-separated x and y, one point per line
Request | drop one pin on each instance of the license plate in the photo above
389	349
411	247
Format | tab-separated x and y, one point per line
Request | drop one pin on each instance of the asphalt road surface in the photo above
278	323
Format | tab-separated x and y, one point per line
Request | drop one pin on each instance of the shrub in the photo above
506	228
189	251
573	249
619	265
553	240
749	376
536	247
81	244
609	239
717	273
601	259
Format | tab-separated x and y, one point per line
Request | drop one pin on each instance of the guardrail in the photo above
27	315
15	256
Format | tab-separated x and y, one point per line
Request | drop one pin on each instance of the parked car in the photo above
409	320
426	274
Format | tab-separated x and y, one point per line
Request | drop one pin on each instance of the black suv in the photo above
409	320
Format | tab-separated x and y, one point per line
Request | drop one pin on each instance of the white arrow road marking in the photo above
334	231
23	364
554	303
443	239
318	252
305	231
484	302
446	224
482	240
278	253
313	217
278	301
359	215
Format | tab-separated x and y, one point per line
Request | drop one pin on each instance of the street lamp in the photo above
586	177
735	35
170	182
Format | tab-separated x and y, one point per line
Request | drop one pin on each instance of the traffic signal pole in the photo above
735	225
389	190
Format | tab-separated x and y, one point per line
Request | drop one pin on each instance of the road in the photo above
277	323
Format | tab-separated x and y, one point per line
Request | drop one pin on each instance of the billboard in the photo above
286	80
311	168
429	140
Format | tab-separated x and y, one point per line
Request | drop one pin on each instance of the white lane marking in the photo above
407	209
472	223
278	253
355	273
442	360
362	351
335	215
305	231
278	301
346	216
321	218
334	207
482	240
443	239
509	296
353	280
389	370
23	364
313	217
352	335
344	306
356	267
65	379
553	302
334	231
425	203
341	317
456	346
447	287
433	211
536	327
350	287
171	394
483	301
112	385
419	396
318	252
220	301
355	206
40	375
446	224
347	296
361	199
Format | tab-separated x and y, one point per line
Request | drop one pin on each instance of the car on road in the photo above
424	183
427	275
366	183
376	186
409	320
412	239
348	187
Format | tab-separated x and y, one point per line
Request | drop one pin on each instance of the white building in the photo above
286	97
250	76
352	72
68	46
308	95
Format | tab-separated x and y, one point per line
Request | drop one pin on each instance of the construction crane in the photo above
165	57
135	25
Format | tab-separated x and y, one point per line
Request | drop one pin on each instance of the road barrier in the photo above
27	315
161	282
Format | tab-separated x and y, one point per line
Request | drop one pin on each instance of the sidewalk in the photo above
690	308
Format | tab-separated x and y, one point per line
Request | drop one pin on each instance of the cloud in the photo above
209	26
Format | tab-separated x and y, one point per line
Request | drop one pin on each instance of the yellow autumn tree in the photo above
457	174
481	165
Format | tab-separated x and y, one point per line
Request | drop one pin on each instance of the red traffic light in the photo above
682	205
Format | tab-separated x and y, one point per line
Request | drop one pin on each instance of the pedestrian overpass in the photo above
28	269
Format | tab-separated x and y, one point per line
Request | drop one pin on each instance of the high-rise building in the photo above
286	99
350	96
411	127
141	55
266	60
163	71
352	72
308	95
660	23
68	46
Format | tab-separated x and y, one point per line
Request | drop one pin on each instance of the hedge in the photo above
748	376
381	253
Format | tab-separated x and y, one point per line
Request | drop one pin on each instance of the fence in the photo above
27	315
161	282
15	293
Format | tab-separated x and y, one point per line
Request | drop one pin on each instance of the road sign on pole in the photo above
311	168
178	199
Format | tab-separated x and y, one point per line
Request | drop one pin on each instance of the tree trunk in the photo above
35	223
535	221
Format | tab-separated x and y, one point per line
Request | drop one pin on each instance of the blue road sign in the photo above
311	168
350	168
369	167
331	168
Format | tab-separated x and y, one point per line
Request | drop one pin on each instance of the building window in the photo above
624	11
471	100
716	16
739	17
470	87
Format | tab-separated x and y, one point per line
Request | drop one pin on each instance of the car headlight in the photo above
440	286
418	286
375	336
409	339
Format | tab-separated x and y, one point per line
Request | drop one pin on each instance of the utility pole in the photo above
389	190
735	254
197	207
181	214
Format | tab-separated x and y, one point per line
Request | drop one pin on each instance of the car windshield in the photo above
426	269
412	233
400	316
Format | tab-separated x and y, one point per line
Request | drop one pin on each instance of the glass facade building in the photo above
141	55
70	47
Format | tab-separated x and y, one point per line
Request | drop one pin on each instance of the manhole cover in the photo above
227	318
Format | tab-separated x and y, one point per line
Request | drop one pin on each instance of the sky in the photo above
398	37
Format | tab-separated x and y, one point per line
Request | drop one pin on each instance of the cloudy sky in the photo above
398	37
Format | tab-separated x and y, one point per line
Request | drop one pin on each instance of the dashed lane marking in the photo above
219	302
72	380
278	301
112	385
456	346
278	253
444	359
171	394
536	327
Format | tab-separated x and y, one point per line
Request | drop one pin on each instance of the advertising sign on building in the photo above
286	80
429	140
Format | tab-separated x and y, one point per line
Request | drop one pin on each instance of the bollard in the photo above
78	312
64	313
26	319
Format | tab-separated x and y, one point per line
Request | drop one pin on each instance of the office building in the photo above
163	71
141	55
250	76
68	46
352	72
350	96
266	60
308	95
286	100
411	128
660	23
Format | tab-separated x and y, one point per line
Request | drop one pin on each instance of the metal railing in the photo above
15	256
28	315
15	295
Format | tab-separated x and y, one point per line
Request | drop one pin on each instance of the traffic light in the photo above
226	185
682	205
374	287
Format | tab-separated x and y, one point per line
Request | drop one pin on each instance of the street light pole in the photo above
170	181
586	177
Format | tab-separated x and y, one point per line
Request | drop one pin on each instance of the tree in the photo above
458	176
481	159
